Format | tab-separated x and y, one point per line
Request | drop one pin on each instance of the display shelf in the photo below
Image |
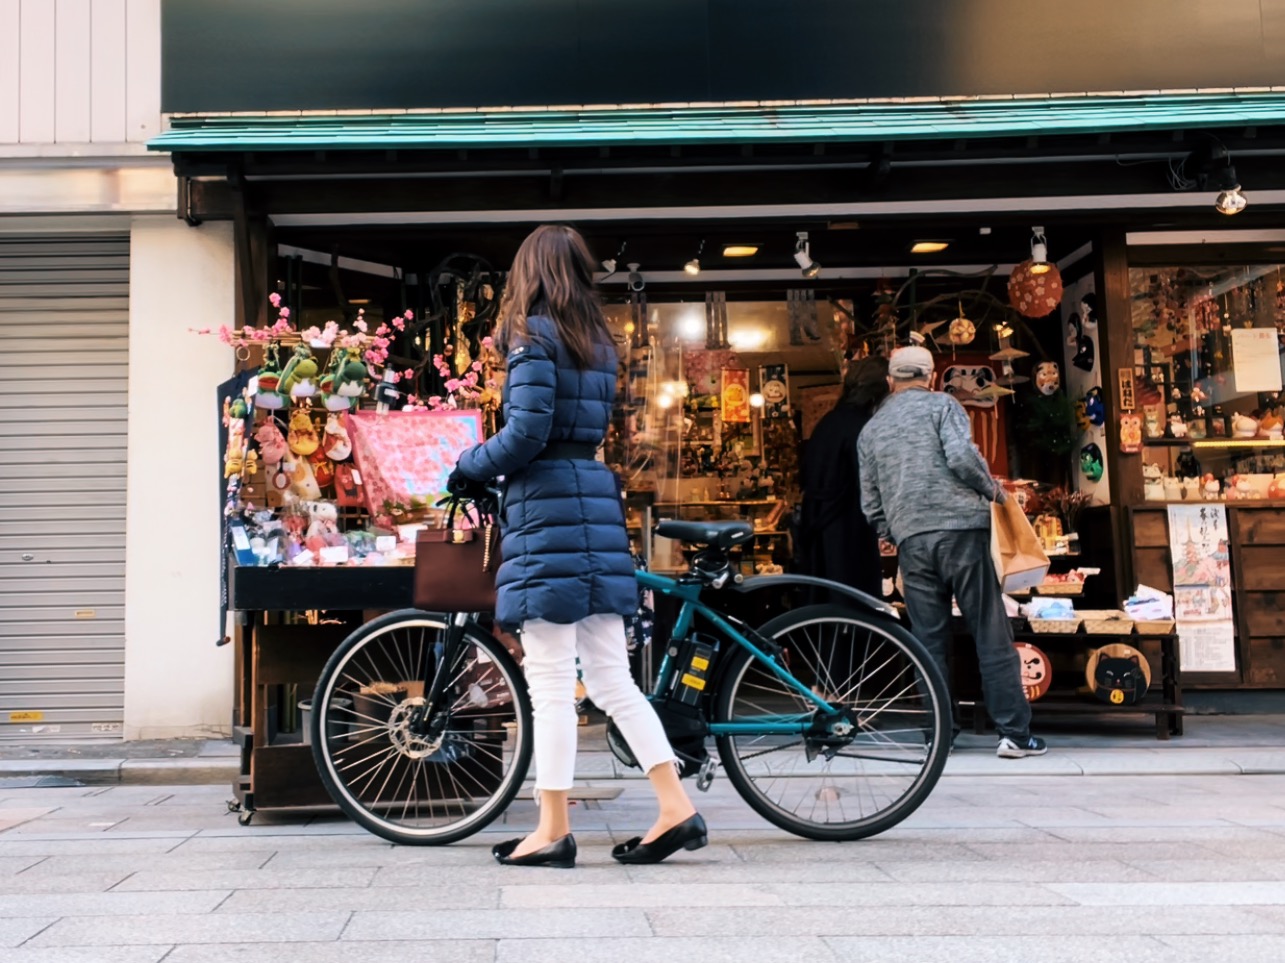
1214	443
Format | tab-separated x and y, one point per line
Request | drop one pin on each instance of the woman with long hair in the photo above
567	576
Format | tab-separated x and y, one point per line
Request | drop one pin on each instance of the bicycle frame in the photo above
689	592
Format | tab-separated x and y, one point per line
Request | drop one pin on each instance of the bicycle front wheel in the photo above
892	744
392	776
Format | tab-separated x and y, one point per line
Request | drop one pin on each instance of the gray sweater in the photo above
920	471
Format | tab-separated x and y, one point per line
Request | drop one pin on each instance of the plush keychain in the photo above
350	380
303	434
331	400
297	380
268	386
322	468
234	413
272	444
303	484
335	441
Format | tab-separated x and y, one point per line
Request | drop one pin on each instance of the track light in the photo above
609	265
1231	201
636	282
1209	167
803	256
1039	252
693	267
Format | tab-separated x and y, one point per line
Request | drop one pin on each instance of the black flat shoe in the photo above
690	834
559	854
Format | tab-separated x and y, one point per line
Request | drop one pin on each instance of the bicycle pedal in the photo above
706	777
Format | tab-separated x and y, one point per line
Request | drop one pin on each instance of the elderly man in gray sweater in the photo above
926	487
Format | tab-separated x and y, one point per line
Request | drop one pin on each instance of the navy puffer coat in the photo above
563	542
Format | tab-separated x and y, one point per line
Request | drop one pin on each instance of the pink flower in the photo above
225	334
381	331
275	299
409	315
410	373
477	366
284	312
453	384
488	342
399	324
360	324
372	357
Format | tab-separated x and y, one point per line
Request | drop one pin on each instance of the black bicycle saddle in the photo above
717	534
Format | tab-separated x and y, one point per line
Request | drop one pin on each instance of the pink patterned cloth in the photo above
405	457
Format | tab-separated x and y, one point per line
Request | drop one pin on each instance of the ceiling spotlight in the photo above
756	400
693	267
1039	252
740	250
1231	201
636	282
803	256
929	247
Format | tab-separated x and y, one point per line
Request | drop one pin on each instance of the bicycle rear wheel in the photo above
412	788
856	785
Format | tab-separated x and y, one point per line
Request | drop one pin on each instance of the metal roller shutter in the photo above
64	326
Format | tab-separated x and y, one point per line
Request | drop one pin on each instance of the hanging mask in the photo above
1085	354
1091	462
1047	377
1089	310
1095	408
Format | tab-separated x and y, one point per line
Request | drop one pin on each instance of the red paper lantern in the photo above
1035	295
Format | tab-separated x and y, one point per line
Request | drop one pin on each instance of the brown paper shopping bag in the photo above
1019	558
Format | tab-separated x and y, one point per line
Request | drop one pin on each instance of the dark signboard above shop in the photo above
247	55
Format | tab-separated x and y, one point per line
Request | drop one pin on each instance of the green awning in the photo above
713	125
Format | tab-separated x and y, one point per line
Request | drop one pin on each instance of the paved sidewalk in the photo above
1012	869
1212	745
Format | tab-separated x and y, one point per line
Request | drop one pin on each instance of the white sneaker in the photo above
1013	749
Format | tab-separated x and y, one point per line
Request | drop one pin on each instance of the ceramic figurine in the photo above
1277	487
1211	488
1191	489
1173	489
1152	483
1243	426
1177	427
1272	426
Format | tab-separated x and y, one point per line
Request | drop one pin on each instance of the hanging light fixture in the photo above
1039	252
1209	167
609	265
803	256
1230	201
693	267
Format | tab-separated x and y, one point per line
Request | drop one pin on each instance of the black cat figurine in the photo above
1120	682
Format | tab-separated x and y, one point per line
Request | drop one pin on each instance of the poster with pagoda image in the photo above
1200	549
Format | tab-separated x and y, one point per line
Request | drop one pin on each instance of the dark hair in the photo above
553	275
866	383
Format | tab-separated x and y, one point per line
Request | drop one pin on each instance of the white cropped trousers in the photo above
549	663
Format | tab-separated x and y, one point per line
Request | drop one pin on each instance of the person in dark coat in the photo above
837	541
567	576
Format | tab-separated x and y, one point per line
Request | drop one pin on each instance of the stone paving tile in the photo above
11	816
249	879
110	904
953	921
1240	893
1001	949
1004	871
510	924
69	883
1107	832
1060	850
177	862
102	843
1241	949
87	954
16	864
869	850
455	894
805	871
1028	896
20	929
265	927
347	951
696	949
490	874
1209	870
626	894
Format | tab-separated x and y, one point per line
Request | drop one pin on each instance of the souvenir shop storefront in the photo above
1085	311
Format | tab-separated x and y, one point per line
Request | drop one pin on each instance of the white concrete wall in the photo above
177	683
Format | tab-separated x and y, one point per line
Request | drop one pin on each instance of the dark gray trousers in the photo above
937	565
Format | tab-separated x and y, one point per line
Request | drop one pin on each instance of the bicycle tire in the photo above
889	752
468	777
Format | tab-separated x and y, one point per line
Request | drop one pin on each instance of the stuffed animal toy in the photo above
234	413
323	518
298	380
303	484
1119	681
335	442
350	380
302	438
268	384
272	444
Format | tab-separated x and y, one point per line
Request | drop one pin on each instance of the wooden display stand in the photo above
1163	700
273	658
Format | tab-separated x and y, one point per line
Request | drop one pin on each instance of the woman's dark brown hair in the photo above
552	275
866	383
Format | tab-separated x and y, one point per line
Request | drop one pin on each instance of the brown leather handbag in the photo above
455	567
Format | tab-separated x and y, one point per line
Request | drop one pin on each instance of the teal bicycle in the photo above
831	721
